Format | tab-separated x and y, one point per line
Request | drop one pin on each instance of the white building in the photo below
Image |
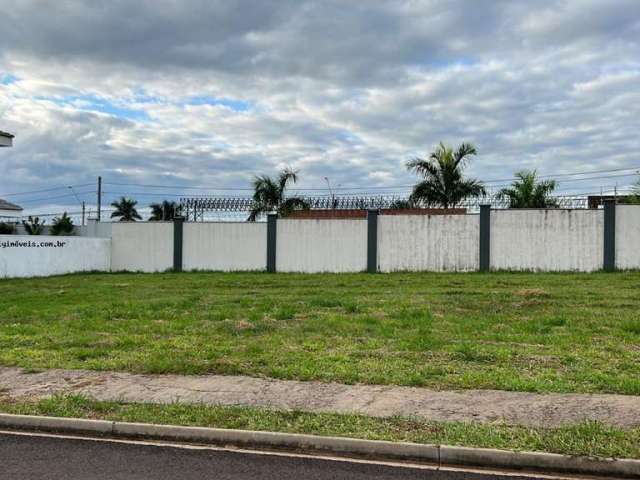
9	211
6	139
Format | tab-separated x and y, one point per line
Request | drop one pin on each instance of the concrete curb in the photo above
439	455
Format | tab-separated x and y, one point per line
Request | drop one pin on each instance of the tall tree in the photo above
270	195
527	191
164	211
444	184
125	210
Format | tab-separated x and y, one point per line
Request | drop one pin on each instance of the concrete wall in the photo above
94	228
224	246
321	246
37	256
142	246
547	240
627	236
541	240
431	243
78	230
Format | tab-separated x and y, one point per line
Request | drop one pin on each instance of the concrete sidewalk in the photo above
466	405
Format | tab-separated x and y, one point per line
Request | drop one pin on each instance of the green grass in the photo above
525	332
587	438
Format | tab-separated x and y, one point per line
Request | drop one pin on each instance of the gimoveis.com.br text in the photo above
32	244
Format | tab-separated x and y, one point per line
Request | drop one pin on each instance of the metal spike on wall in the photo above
195	208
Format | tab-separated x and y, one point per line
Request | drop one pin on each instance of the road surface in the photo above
52	457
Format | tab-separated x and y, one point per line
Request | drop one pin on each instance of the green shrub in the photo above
33	225
62	225
7	228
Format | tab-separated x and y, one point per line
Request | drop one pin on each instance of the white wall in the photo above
9	215
547	240
93	228
35	257
224	246
627	236
306	245
141	246
428	242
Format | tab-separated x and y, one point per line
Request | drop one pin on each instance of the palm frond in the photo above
526	192
285	176
464	150
444	184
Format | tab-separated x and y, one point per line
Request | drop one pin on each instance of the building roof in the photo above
4	205
6	139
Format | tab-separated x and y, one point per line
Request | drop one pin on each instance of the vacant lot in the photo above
530	332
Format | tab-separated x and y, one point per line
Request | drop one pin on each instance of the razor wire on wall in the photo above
202	208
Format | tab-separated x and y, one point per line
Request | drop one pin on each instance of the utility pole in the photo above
333	198
99	196
83	210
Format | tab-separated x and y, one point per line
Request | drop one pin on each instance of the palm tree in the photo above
527	192
443	183
125	209
62	225
269	195
164	211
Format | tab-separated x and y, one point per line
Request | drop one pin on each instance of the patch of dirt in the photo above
243	325
485	406
532	293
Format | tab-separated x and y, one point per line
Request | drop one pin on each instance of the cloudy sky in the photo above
208	93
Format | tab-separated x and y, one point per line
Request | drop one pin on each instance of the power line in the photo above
576	173
389	187
44	190
492	183
184	187
347	190
42	199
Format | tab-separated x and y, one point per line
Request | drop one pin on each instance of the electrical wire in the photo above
45	190
390	189
190	187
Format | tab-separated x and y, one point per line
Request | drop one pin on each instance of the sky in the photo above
208	93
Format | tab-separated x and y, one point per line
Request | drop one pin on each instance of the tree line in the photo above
442	185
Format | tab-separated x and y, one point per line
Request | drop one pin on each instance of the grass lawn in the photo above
527	332
588	438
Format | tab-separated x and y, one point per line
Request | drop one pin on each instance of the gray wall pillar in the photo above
178	223
485	238
372	241
609	263
272	227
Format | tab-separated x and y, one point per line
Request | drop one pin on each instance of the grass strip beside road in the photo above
524	332
588	438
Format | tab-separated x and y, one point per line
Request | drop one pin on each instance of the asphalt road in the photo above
56	457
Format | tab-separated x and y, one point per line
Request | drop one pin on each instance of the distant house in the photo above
6	139
9	211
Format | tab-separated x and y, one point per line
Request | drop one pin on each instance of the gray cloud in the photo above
349	90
